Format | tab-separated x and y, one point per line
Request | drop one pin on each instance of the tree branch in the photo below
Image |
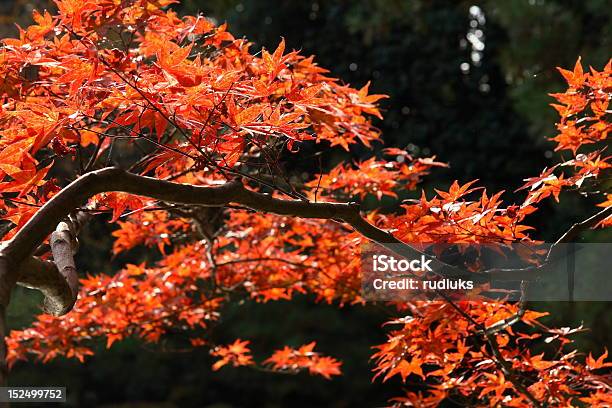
555	252
552	257
57	280
579	227
35	273
34	232
63	247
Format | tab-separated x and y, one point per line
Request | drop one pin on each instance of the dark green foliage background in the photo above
411	50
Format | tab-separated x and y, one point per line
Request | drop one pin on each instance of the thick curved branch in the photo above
63	247
35	273
33	233
57	279
75	194
112	179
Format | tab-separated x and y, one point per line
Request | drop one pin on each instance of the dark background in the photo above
468	81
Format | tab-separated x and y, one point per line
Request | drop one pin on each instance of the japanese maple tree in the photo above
202	121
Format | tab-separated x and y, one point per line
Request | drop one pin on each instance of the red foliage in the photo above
292	360
101	76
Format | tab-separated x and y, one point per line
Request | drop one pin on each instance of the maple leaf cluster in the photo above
304	357
137	301
237	354
583	130
376	177
287	360
181	99
437	344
